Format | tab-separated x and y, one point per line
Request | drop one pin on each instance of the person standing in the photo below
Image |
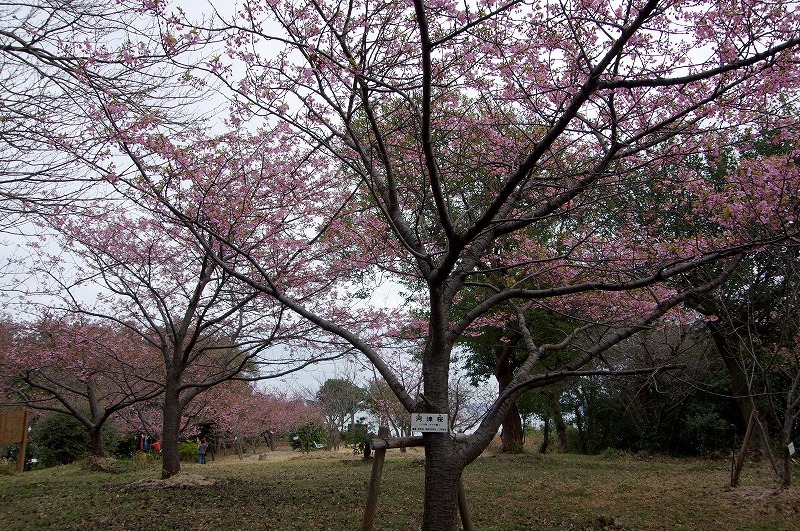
201	451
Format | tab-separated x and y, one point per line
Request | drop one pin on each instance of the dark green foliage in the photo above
307	438
111	439
642	416
58	439
340	400
356	436
126	446
705	431
188	451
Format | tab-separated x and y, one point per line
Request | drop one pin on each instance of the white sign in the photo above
791	448
429	422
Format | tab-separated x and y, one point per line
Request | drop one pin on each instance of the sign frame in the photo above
14	430
430	422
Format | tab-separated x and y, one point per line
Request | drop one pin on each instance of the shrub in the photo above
356	437
188	451
309	437
58	439
8	467
143	460
706	432
126	446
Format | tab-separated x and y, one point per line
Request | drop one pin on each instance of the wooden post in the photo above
14	430
374	483
737	470
24	444
463	507
380	446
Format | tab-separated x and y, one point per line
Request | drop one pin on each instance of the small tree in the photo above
339	400
307	438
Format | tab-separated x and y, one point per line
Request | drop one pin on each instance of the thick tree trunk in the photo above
240	448
740	387
512	435
443	469
97	445
170	444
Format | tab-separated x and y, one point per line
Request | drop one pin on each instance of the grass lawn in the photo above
286	491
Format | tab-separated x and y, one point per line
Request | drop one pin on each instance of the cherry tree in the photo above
59	62
453	142
251	415
101	104
203	326
80	368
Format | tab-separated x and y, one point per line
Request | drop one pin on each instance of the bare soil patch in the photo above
765	499
178	481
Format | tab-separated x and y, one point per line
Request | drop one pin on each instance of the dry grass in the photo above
286	491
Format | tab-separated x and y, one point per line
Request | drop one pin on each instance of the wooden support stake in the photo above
737	470
374	483
463	507
24	444
380	446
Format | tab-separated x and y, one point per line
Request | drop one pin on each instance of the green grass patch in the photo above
327	491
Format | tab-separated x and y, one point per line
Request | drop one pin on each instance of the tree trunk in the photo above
443	470
512	434
786	476
170	444
726	343
240	448
97	447
558	420
786	438
545	436
740	387
579	425
511	437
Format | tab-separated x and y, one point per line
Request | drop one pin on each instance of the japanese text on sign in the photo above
429	422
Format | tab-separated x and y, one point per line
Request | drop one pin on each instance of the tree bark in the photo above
511	437
786	469
558	420
786	438
443	470
545	436
97	445
170	444
443	465
726	344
